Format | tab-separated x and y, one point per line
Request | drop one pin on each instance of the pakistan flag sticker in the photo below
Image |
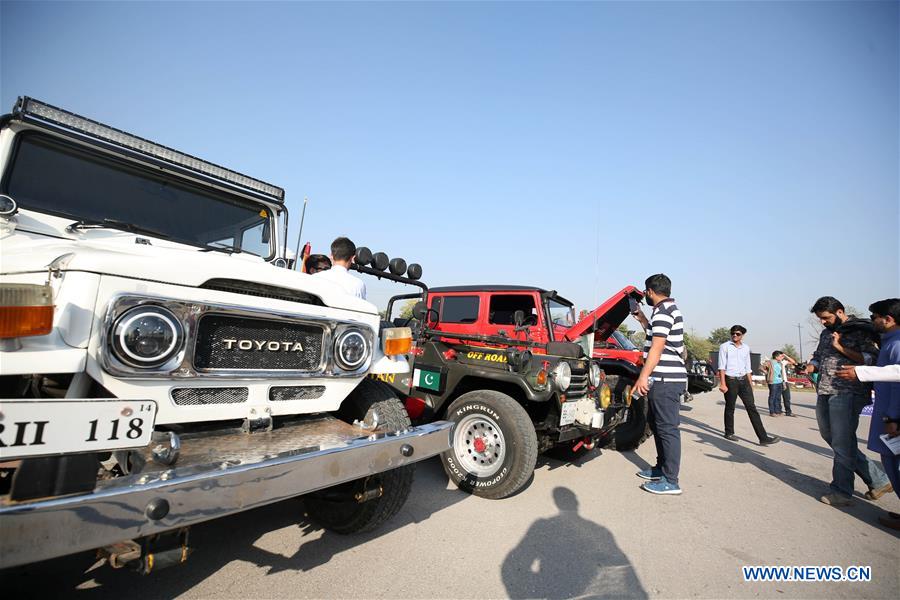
427	380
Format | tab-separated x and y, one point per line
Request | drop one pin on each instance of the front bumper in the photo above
216	475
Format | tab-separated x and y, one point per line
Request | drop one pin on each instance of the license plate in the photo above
567	413
46	427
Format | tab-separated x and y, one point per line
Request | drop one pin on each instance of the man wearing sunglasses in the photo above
735	380
315	263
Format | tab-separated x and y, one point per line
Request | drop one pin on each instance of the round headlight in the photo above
147	336
605	396
596	372
351	349
562	376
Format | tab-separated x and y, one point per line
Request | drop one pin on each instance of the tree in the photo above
406	311
698	347
637	338
791	351
719	336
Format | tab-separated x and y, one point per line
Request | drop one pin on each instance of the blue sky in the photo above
747	149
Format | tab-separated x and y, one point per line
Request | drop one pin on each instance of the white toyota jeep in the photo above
158	370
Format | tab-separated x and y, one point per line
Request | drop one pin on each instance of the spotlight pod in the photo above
398	266
414	271
363	256
380	261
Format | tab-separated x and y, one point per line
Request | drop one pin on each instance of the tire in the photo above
494	446
636	429
336	509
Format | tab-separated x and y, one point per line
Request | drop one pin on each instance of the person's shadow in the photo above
569	556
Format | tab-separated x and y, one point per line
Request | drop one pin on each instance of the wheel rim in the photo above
479	445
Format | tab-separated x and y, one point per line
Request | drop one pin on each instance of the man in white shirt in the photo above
735	381
342	252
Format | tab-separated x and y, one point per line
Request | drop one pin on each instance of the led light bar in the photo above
29	107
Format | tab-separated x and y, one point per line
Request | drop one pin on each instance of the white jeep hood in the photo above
30	248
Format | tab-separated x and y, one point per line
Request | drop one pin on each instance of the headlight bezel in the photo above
562	376
127	356
594	374
341	337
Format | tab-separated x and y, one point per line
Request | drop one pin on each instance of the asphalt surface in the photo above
577	530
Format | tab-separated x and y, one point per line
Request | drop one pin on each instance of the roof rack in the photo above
29	109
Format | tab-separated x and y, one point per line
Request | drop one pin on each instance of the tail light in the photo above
25	310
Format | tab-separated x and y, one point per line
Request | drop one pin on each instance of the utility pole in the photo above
800	339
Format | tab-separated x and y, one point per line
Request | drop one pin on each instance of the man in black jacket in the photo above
845	340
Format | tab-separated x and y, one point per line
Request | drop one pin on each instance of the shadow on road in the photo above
569	556
219	542
813	487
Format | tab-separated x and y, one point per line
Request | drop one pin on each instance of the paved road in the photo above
582	530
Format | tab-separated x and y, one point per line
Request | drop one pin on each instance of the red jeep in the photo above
511	368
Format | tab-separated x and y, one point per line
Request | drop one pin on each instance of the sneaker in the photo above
790	415
835	500
661	487
653	474
772	439
731	436
876	493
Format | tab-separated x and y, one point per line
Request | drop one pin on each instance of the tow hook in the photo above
588	443
149	554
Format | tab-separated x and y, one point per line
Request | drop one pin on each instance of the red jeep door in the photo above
501	309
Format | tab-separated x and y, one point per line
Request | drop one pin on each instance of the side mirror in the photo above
419	310
519	317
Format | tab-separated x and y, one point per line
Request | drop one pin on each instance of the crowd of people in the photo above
851	353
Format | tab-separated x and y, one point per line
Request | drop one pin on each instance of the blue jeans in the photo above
775	398
664	416
838	417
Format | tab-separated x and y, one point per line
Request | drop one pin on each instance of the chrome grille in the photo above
295	392
226	342
203	396
579	384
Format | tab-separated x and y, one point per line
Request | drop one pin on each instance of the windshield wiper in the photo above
220	247
115	224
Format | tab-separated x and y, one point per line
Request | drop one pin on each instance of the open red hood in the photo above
604	319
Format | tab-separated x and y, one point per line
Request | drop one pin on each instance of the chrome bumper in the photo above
216	475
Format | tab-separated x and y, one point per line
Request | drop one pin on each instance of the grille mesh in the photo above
296	392
203	396
225	342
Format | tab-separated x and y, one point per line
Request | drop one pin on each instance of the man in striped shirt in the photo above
663	378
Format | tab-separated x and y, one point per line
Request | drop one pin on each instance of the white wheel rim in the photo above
479	445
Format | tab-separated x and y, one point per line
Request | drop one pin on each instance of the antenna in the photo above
300	234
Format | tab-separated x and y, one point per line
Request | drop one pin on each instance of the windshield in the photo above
561	314
623	341
52	176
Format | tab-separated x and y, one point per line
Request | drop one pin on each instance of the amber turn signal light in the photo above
397	340
25	310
